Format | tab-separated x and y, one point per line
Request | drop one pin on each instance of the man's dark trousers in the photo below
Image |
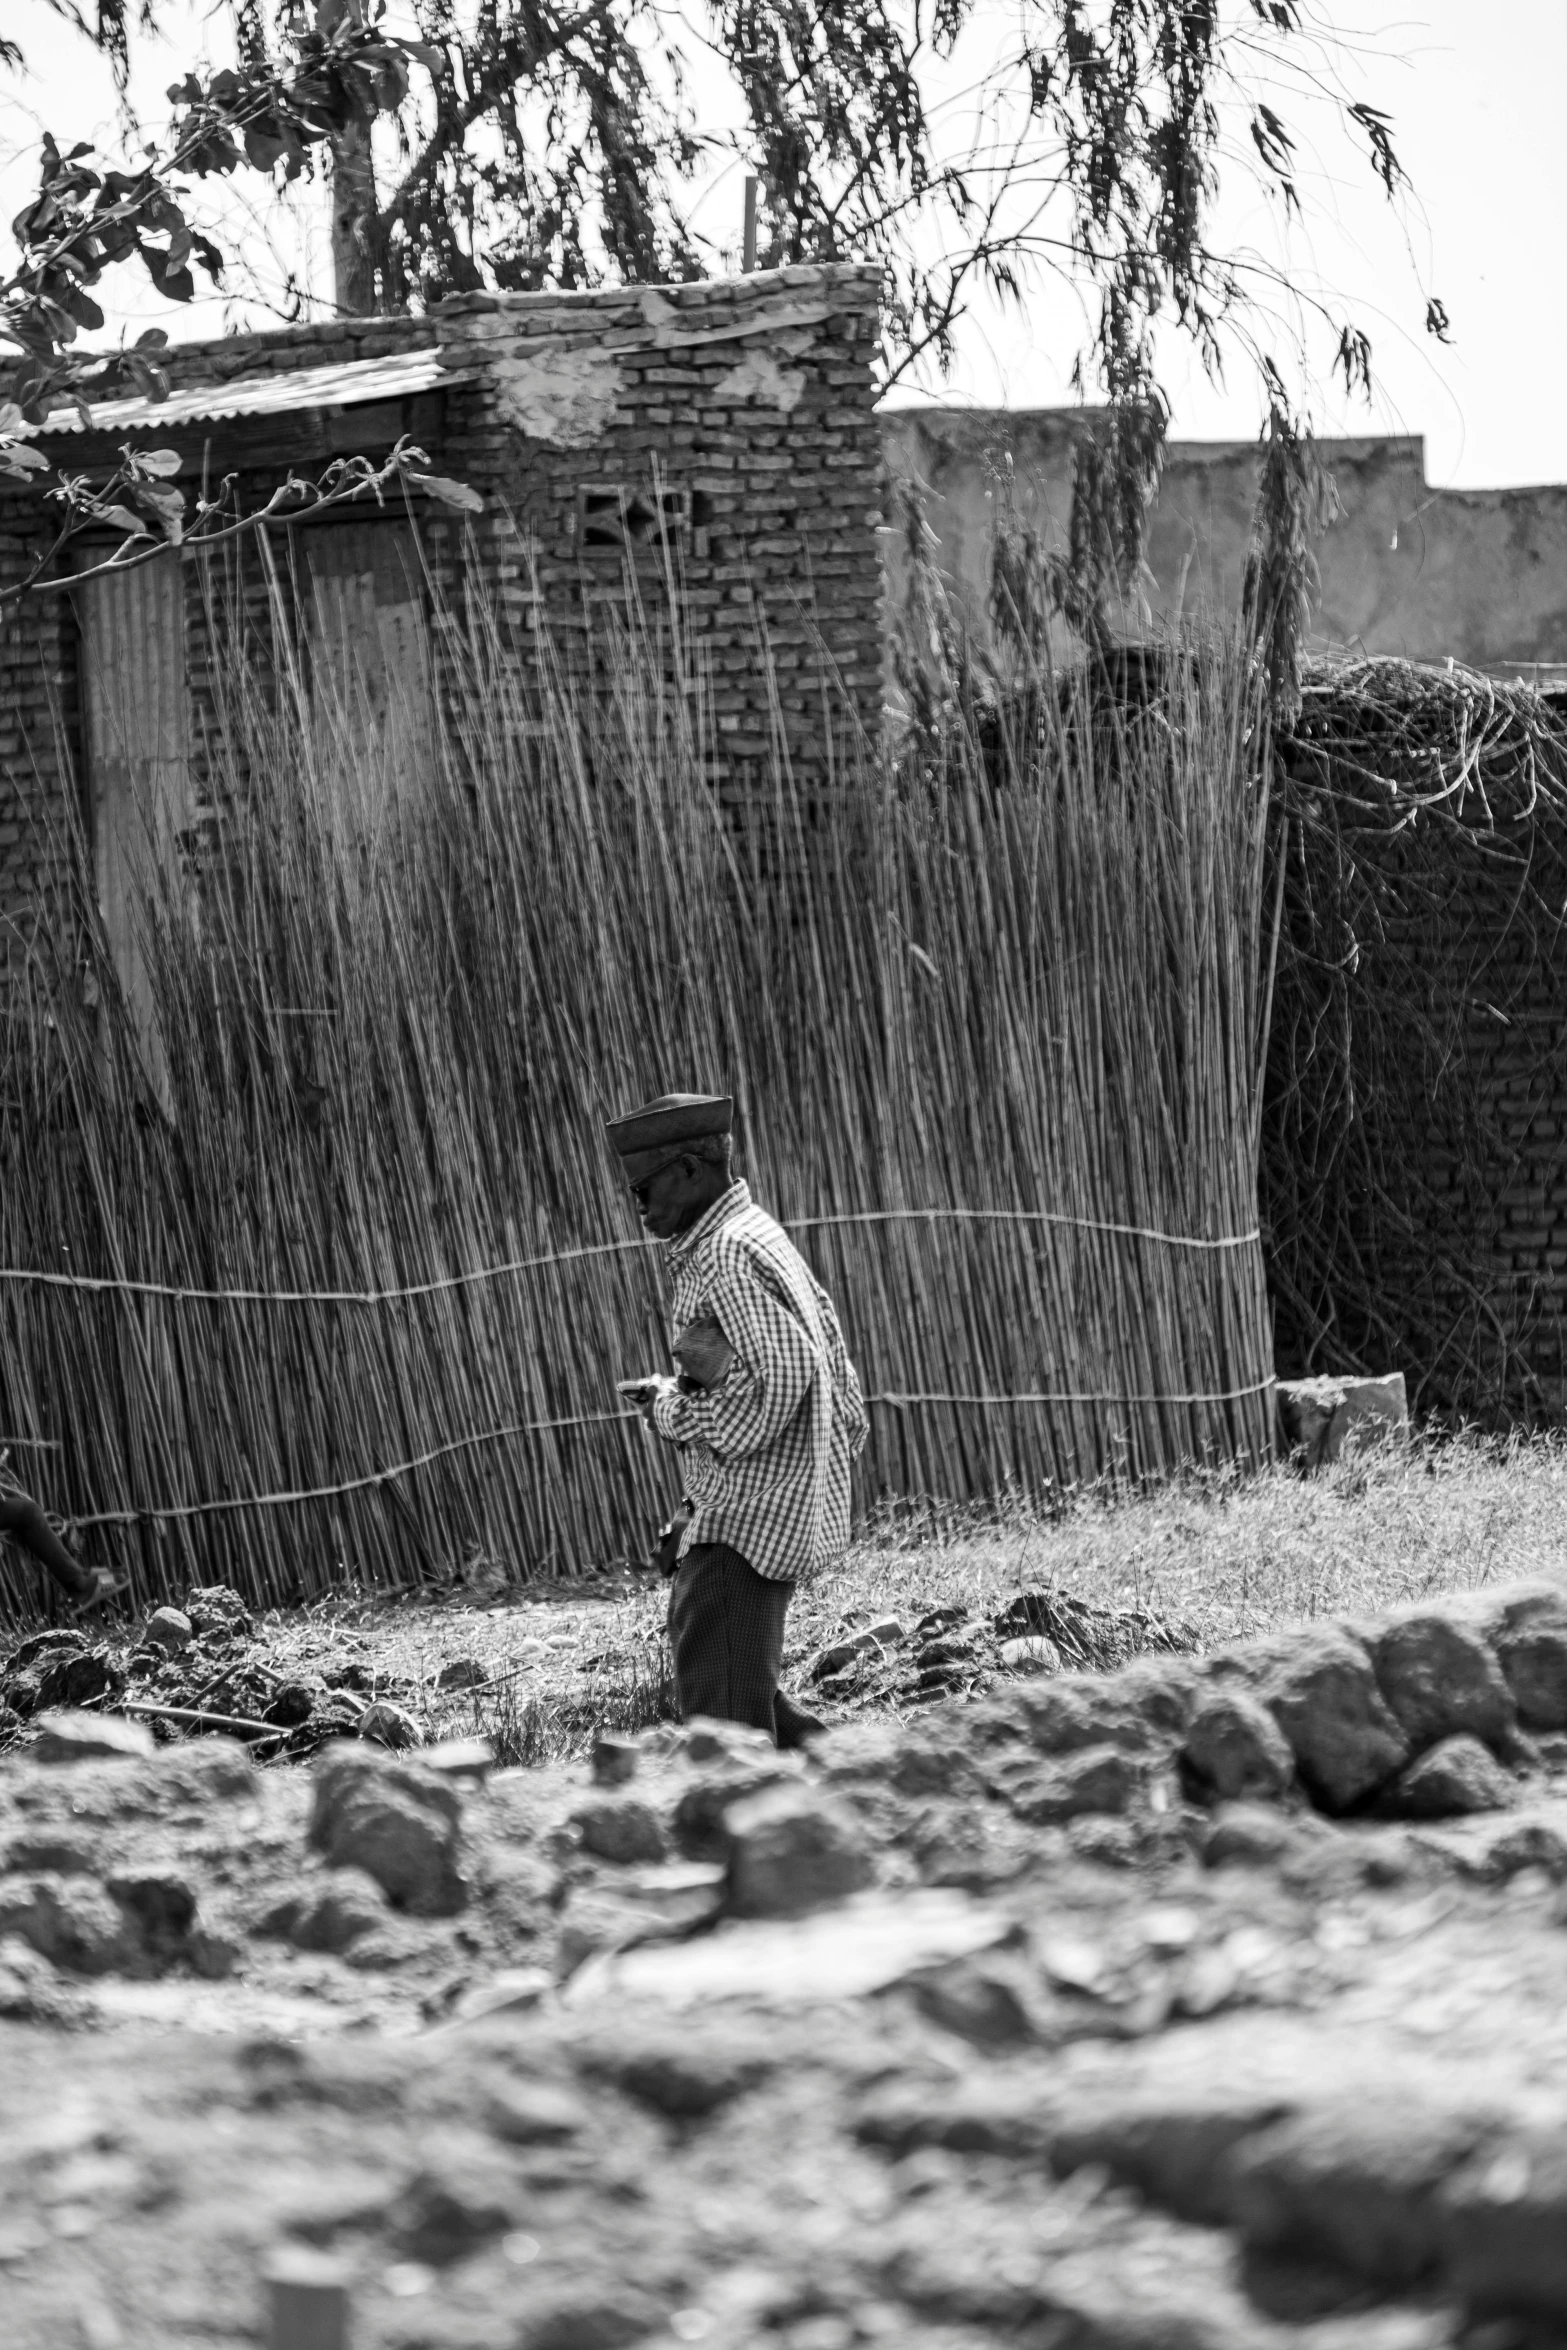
726	1628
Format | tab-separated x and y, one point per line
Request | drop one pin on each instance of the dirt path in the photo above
1202	2004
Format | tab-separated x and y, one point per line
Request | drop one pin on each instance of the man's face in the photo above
673	1199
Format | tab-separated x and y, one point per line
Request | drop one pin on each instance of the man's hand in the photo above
643	1394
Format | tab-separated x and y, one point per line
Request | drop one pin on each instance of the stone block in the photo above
1320	1416
792	1850
1356	2183
1455	1777
620	1828
400	1824
1077	1710
1534	1661
1094	1779
1439	1678
1235	1751
1320	1689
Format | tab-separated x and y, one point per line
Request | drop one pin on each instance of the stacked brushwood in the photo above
1408	1178
995	1058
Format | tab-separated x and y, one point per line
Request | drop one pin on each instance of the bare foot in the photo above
106	1585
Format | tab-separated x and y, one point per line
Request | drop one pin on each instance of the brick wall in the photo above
740	411
746	405
1414	1175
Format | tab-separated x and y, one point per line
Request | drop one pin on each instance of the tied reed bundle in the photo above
389	1028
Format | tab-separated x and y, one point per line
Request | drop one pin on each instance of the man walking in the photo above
767	1444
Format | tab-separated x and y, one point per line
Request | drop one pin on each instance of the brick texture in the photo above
1413	1179
745	405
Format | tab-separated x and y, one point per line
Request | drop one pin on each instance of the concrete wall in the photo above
1476	575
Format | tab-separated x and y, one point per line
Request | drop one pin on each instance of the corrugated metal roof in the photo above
351	384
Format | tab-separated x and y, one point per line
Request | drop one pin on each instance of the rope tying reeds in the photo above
268	1501
1025	1216
261	1501
114	1286
111	1285
1206	1395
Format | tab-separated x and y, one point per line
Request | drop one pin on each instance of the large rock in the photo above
1322	1416
72	1921
1095	1779
327	1914
991	2000
1322	1692
400	1824
390	1725
80	1680
161	1905
792	1849
701	1815
197	1772
1522	1844
619	1828
917	1763
1235	1751
168	1630
1534	1661
1505	2228
215	1612
73	1737
707	1739
1355	2182
1439	1679
1061	1716
1453	1778
1255	1836
32	1993
615	1758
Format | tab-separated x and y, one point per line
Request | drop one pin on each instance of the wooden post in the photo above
307	2300
748	261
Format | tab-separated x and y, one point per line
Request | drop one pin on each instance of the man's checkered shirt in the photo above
768	1449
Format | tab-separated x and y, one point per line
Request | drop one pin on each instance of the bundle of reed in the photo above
993	1045
1413	1211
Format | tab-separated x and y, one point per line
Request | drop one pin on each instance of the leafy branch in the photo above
142	502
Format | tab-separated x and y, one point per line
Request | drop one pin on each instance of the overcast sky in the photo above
1476	95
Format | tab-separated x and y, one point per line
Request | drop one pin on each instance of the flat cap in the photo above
659	1130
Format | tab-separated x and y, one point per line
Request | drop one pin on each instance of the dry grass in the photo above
1232	1556
1235	1556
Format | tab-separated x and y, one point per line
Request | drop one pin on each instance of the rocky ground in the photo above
1206	2001
539	1674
